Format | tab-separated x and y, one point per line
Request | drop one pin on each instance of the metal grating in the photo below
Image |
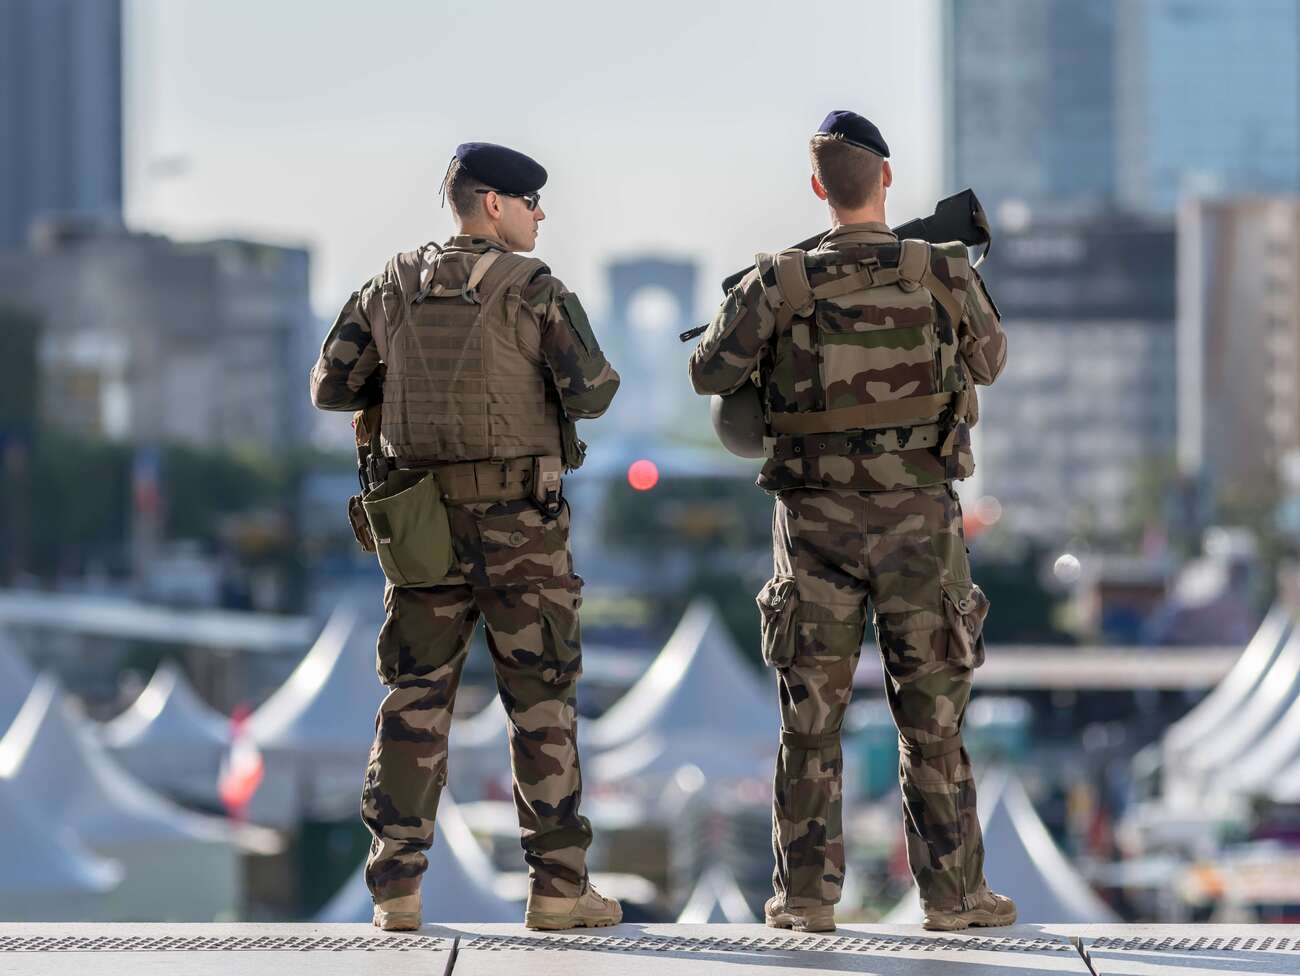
788	943
227	943
1234	944
640	943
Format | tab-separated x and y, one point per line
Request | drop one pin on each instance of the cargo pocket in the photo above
561	630
409	523
777	601
824	638
965	607
524	546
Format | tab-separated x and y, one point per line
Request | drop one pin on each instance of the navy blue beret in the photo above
501	168
855	130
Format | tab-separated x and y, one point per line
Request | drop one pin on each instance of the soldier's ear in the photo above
817	187
886	175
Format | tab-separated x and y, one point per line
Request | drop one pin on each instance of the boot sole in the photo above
396	921
545	922
799	925
973	920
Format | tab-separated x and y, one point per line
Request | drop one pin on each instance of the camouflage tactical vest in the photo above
866	390
460	384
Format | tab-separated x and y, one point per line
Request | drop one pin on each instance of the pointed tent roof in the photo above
42	862
327	706
457	886
1260	712
91	794
716	898
697	685
1022	862
1224	703
170	715
170	738
16	680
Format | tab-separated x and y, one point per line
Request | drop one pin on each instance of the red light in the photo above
642	475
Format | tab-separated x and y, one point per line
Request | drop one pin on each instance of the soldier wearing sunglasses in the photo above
482	361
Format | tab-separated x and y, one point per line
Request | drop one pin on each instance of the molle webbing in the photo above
480	481
887	413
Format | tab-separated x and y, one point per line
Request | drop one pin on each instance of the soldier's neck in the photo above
478	228
872	213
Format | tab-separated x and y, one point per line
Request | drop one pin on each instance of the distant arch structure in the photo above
629	276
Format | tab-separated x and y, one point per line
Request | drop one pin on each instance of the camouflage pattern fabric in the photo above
865	345
514	570
904	551
551	331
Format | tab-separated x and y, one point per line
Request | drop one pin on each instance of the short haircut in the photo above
849	173
462	189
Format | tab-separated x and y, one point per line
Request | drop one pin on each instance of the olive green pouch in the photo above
411	529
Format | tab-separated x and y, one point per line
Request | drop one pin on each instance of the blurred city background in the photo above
188	192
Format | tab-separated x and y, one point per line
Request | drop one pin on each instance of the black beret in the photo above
501	168
855	130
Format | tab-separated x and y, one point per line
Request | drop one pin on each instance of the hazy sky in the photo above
675	127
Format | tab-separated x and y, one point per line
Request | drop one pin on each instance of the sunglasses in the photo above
531	200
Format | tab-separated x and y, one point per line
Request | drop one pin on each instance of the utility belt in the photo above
869	428
403	514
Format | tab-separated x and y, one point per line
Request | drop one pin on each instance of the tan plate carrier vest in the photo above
458	385
934	419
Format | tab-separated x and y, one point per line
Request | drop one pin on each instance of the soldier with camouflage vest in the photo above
481	360
865	350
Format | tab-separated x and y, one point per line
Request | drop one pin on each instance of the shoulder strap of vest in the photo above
785	282
937	286
506	272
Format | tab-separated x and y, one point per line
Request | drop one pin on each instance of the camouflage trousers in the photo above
514	570
904	551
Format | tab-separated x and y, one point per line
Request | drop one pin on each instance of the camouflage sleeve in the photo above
980	337
347	377
583	377
735	340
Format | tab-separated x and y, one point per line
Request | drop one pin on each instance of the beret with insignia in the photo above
855	130
501	168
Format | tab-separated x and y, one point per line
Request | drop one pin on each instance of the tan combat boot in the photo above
400	914
989	910
590	909
807	918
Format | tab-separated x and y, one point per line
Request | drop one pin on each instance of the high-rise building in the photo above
1239	345
1087	399
1030	100
1133	105
1208	100
148	340
60	111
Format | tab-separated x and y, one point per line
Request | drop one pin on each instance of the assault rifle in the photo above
956	218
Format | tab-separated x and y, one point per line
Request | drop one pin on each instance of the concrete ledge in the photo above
738	950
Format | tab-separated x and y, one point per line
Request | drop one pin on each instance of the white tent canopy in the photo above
457	887
16	680
698	704
716	898
1203	770
1223	705
48	876
60	769
315	731
170	738
1022	862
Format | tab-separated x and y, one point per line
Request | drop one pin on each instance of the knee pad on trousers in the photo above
929	750
803	740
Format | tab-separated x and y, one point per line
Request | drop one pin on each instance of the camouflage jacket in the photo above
349	374
882	343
